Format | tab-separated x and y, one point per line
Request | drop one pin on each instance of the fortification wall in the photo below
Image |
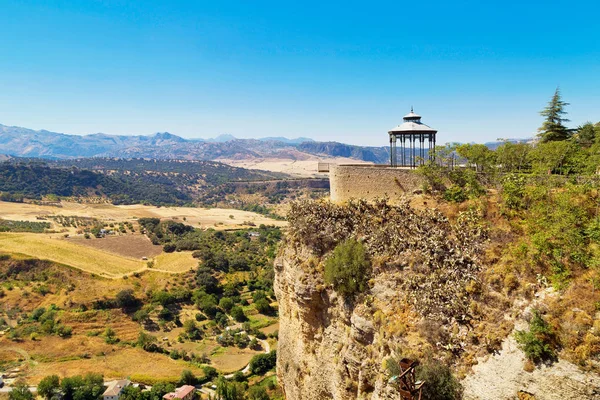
369	182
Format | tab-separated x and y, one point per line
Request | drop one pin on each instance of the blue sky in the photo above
345	71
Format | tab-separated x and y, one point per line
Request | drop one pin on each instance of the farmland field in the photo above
175	262
217	218
135	246
65	252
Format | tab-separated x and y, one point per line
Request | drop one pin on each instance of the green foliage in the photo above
192	330
226	304
125	298
258	393
89	387
237	313
229	390
513	191
187	378
553	129
455	194
20	392
48	386
478	155
440	384
513	156
263	306
110	336
348	268
23	226
538	343
262	363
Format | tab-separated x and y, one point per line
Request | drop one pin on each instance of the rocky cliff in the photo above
428	298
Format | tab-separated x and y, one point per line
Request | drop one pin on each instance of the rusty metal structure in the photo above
408	386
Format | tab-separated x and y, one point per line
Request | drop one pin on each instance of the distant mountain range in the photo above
23	142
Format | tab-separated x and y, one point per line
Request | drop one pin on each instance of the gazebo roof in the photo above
412	124
412	115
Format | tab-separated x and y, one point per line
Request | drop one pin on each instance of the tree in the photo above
237	313
587	134
226	304
261	363
478	155
187	378
48	386
440	384
262	306
258	393
229	390
110	336
348	268
125	298
20	392
553	129
513	157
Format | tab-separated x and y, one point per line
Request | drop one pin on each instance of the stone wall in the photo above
371	181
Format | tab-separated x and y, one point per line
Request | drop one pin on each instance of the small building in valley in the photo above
185	392
115	388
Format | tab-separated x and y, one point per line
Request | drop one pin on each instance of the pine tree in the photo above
553	129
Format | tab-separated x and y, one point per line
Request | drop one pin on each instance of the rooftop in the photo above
179	393
412	123
115	387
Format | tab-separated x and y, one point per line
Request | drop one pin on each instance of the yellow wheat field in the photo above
62	251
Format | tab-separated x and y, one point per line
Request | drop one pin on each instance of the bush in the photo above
169	248
238	314
262	363
440	384
226	304
539	342
348	268
455	194
125	298
263	306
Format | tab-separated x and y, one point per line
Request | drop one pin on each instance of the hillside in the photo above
23	142
120	181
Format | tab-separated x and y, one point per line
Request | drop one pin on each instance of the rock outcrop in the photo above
424	300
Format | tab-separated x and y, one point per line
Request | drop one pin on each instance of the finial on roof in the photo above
411	108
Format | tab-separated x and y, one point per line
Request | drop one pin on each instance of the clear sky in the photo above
345	71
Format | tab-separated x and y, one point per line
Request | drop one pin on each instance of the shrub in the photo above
262	363
125	298
169	248
455	194
440	384
348	268
263	306
539	342
187	378
226	304
48	386
238	314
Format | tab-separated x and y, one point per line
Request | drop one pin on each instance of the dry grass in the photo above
65	252
299	164
175	262
134	246
119	363
217	218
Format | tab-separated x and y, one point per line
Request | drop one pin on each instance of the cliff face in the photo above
327	348
335	347
428	297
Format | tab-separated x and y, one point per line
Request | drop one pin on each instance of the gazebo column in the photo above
403	149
